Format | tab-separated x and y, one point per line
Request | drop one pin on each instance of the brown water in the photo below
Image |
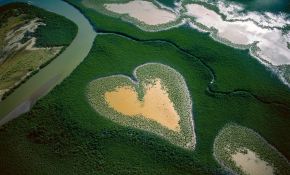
156	104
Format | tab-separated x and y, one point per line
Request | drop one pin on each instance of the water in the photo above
271	42
168	3
274	6
47	78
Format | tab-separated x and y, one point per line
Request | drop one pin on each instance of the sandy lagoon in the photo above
156	104
156	100
243	151
271	42
250	163
143	11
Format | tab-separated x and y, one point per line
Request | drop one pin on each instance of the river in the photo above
23	98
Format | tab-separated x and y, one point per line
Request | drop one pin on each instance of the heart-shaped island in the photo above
158	102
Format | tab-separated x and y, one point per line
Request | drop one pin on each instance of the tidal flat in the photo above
226	85
155	104
143	11
150	16
271	42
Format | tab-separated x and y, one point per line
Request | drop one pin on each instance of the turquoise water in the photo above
274	6
54	73
168	3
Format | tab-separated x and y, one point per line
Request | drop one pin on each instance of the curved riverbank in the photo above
86	34
71	58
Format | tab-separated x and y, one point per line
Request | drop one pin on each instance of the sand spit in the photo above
156	104
251	164
271	43
143	11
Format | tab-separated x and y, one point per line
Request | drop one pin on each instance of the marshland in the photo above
69	132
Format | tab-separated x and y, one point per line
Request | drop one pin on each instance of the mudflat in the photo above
155	105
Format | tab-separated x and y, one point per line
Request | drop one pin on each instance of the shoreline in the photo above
220	162
46	77
28	76
135	81
25	106
185	19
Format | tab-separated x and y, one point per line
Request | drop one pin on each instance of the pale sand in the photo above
251	164
31	43
235	11
272	44
13	45
156	104
143	11
13	40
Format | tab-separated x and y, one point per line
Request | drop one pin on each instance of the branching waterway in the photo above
210	89
40	84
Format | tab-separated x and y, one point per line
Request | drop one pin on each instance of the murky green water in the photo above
274	6
41	83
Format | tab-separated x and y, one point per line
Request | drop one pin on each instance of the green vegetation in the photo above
98	6
232	138
64	125
20	58
11	23
285	72
233	69
61	28
178	94
22	65
63	134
